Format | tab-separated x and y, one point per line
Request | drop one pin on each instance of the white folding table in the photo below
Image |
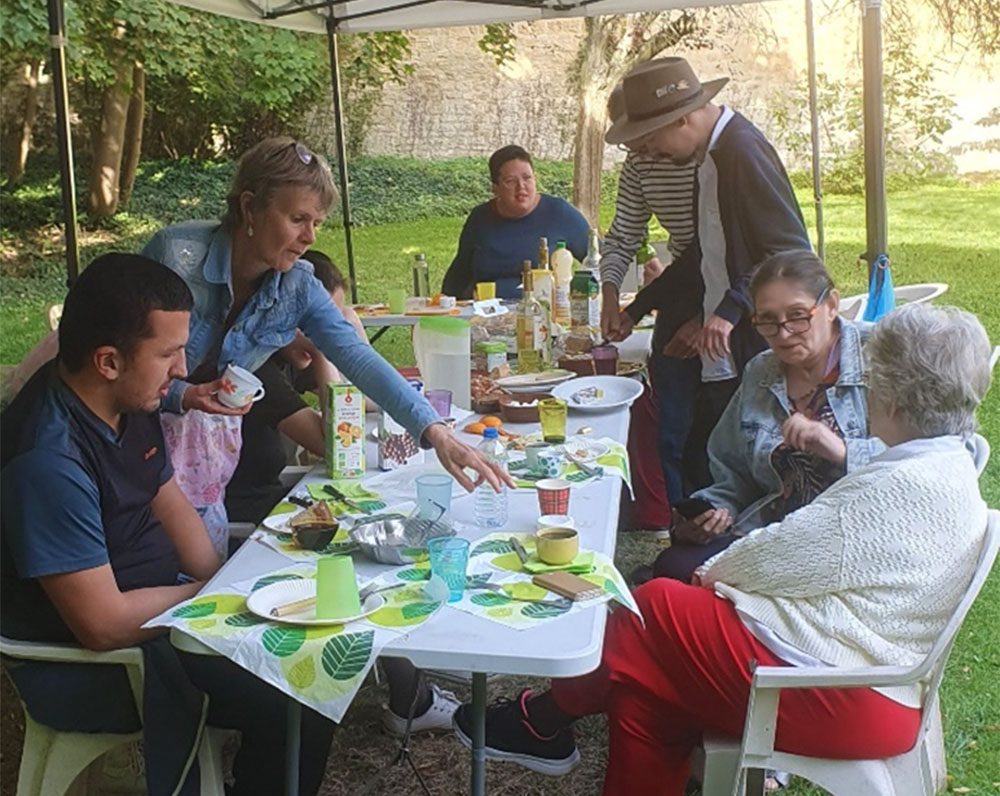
457	641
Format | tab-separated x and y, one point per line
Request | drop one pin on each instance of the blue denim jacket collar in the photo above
218	270
852	365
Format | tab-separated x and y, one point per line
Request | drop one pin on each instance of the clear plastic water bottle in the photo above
491	507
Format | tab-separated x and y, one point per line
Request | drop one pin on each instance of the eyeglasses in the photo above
513	182
798	325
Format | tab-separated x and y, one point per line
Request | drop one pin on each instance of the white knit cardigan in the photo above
869	572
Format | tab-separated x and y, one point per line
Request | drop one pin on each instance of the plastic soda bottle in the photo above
562	267
490	508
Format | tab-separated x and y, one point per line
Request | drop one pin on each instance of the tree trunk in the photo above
588	145
588	153
133	133
19	152
105	170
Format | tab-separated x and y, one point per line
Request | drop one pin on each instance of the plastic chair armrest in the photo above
69	653
779	677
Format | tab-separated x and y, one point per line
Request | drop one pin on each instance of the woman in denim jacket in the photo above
252	290
797	423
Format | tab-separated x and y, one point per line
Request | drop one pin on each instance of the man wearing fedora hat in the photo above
745	210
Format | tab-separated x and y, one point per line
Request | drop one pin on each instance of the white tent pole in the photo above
875	206
57	65
814	130
338	113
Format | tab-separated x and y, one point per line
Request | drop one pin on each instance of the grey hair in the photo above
932	364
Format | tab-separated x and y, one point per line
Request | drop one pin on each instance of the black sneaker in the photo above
510	737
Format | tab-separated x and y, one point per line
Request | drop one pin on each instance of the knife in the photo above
522	554
330	489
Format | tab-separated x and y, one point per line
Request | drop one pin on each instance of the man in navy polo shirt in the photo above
97	537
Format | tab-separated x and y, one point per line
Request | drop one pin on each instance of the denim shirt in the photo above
200	252
741	445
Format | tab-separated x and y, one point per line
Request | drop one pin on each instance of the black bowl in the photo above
314	537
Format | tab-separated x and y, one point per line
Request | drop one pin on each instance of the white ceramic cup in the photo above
555	521
239	387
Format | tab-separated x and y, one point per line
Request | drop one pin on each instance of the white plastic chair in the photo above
981	454
853	307
919	293
52	761
727	760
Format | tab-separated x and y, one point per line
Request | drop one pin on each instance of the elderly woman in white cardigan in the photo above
866	574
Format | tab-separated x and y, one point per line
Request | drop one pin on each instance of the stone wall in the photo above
459	102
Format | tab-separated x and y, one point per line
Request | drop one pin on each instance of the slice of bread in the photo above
318	515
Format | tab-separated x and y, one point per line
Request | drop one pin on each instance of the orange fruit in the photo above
475	428
491	422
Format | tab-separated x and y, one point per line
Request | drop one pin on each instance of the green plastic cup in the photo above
336	588
397	300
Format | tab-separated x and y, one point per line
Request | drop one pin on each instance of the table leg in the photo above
381	331
293	745
478	734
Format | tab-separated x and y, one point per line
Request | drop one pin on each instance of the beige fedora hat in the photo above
657	93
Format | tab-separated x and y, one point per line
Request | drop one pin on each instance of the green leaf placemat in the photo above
320	666
366	498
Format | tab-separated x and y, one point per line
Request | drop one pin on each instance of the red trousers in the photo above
687	671
650	507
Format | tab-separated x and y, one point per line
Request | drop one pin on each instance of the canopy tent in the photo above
356	16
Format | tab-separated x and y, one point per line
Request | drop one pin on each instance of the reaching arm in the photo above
681	278
186	530
628	227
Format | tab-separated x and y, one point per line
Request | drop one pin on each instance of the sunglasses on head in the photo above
303	152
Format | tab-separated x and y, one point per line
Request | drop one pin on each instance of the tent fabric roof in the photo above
374	15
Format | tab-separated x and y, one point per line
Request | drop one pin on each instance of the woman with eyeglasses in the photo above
797	423
501	234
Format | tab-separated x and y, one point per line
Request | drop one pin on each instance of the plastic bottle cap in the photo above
490	432
560	244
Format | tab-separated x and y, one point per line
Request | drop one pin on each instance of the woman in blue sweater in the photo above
501	234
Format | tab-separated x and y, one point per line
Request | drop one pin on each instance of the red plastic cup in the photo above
553	495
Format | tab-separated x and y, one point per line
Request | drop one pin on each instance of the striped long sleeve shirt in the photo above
648	187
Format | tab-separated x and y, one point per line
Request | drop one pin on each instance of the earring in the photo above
249	230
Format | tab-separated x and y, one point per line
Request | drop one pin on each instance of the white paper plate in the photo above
286	591
535	382
279	522
580	449
618	391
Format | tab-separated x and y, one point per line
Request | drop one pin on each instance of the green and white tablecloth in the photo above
493	560
320	666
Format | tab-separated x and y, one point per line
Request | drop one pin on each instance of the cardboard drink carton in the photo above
345	438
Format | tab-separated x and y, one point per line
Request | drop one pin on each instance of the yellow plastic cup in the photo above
486	290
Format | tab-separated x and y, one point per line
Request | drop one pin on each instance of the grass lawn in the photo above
938	233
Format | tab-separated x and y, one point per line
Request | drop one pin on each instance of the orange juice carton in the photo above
345	438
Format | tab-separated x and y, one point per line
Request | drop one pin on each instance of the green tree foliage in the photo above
214	85
917	115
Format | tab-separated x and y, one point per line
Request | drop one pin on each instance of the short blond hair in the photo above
272	164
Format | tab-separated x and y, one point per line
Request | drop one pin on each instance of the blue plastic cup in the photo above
434	495
449	560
